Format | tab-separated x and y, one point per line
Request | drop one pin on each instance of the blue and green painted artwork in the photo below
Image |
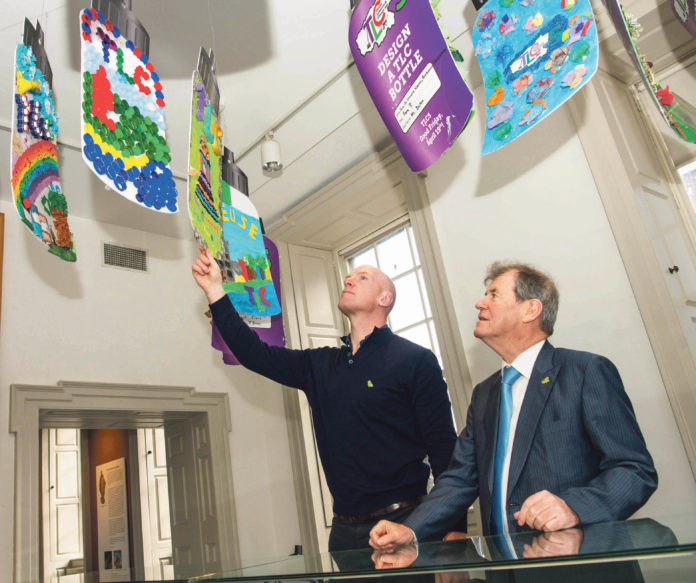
534	56
250	287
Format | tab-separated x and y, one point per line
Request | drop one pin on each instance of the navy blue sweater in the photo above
377	414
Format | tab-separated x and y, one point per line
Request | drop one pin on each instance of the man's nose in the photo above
480	304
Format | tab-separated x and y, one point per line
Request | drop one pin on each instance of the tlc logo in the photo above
377	22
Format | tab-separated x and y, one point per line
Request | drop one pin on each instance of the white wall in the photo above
85	322
535	201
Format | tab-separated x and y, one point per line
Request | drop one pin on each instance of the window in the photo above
687	172
396	255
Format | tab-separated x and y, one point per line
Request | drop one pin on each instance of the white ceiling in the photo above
282	65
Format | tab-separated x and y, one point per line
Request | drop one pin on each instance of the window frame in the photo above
372	240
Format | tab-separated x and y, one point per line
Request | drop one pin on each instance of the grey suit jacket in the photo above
577	436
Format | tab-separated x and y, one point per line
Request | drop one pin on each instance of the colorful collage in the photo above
123	129
38	197
249	281
533	56
205	172
224	220
269	329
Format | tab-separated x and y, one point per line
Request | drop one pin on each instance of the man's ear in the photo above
531	310
386	299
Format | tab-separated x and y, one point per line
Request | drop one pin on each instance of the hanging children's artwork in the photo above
269	329
685	11
123	129
534	56
679	114
410	73
249	283
205	155
35	182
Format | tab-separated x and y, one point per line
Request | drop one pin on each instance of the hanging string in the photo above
163	12
44	17
212	28
212	50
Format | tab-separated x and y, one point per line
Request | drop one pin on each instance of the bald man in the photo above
379	403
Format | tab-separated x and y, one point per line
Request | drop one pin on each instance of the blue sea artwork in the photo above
533	58
250	287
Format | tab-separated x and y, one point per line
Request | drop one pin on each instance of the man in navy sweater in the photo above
379	403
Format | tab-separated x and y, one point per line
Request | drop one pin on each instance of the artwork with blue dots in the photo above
123	129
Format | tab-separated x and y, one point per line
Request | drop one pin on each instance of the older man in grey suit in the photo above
551	439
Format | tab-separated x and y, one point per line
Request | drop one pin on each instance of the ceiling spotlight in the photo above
270	154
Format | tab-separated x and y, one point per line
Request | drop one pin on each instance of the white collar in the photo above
524	363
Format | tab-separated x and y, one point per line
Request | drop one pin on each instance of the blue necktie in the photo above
498	514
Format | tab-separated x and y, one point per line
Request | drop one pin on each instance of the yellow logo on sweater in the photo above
369	384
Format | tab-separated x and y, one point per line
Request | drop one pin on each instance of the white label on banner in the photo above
421	92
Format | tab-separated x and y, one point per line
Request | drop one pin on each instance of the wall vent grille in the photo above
125	257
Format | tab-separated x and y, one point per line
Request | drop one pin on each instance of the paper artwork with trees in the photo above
249	283
36	189
223	218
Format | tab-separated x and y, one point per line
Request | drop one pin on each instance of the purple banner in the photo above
272	331
685	11
411	76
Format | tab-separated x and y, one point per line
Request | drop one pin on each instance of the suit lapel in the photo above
538	390
490	426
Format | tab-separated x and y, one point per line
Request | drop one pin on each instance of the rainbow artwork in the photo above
36	189
123	129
